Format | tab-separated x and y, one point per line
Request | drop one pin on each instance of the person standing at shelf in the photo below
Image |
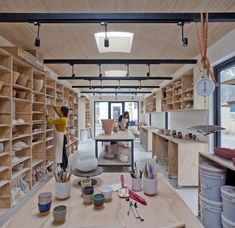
123	121
60	137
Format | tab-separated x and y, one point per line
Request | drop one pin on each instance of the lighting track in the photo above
116	92
114	87
113	78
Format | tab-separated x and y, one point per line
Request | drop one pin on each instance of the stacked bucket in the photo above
217	201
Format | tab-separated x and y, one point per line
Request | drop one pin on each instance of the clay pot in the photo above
1	84
21	94
107	126
22	80
15	77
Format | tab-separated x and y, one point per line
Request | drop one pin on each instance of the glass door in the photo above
101	112
116	109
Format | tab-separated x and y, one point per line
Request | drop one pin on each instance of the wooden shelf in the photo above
21	100
3	168
22	124
49	139
51	96
38	142
39	93
50	87
50	147
4	69
20	149
19	87
187	90
22	159
187	99
5	97
38	102
4	139
21	136
4	154
39	121
49	130
36	162
5	125
19	173
39	132
38	112
4	182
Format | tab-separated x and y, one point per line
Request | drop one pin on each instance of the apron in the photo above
59	141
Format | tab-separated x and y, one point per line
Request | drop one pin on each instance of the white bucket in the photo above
228	196
212	177
227	223
210	213
62	190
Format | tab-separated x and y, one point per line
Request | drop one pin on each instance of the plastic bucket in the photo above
212	177
210	213
228	196
226	222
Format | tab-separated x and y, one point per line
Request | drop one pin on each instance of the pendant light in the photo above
127	71
73	74
183	38
148	73
106	39
37	41
100	71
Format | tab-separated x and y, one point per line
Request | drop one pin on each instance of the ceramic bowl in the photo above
107	192
44	207
22	80
59	213
88	190
98	200
15	77
87	163
37	85
44	198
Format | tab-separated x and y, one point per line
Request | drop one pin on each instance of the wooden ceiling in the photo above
77	40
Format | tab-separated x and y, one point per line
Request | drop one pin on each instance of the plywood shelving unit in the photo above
20	100
153	102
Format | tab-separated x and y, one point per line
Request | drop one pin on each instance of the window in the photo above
225	104
133	108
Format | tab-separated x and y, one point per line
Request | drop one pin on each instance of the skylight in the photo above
118	42
117	73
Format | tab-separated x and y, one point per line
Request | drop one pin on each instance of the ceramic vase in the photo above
62	190
107	126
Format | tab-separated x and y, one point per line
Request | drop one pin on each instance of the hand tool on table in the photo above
141	219
136	197
123	191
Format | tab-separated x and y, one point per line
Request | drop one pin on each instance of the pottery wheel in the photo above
93	173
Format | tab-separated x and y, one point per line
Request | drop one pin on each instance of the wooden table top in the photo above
120	135
166	209
178	141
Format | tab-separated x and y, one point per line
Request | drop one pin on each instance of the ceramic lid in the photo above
213	167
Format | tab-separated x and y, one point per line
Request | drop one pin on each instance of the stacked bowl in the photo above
44	201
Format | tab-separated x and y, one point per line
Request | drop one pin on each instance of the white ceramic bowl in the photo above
87	163
37	85
107	192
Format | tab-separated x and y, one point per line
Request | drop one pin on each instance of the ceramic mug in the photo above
136	184
62	190
98	200
85	182
107	192
59	213
150	186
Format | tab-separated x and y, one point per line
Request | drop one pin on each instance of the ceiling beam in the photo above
116	92
91	78
120	61
115	87
113	17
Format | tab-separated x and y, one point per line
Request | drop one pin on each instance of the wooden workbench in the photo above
146	136
164	210
120	136
182	157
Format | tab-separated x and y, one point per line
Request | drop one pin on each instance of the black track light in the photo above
73	74
106	39
37	41
100	72
90	84
139	85
184	39
148	73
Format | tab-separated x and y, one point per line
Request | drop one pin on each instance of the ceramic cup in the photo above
84	183
87	198
136	184
59	213
194	137
44	207
44	198
107	192
88	190
150	186
62	190
98	200
190	135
